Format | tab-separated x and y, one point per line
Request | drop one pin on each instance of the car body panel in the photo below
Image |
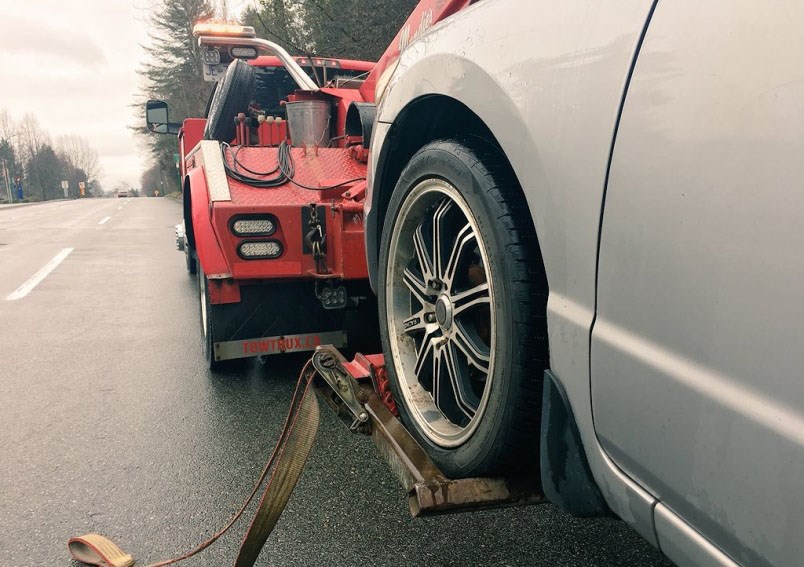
684	545
697	349
553	107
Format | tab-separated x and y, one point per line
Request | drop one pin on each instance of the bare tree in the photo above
30	138
8	126
77	151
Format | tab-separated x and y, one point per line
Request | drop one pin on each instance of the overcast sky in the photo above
74	64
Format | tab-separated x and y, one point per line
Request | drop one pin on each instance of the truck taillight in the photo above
260	250
262	226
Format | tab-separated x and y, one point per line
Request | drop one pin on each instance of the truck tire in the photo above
207	323
190	259
231	97
462	303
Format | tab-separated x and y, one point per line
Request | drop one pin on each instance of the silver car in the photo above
586	231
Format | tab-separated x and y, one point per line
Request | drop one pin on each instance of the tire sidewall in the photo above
230	97
207	331
436	161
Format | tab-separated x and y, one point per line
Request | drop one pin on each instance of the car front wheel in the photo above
462	309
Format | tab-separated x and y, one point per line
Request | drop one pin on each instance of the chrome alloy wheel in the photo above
439	315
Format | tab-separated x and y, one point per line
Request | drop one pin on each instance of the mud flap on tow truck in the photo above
351	390
263	346
274	318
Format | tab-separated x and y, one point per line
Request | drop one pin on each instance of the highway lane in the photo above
110	423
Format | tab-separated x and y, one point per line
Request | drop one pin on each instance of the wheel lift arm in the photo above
350	389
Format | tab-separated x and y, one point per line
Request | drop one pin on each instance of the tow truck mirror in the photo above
156	118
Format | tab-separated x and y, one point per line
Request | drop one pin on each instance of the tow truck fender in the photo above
207	247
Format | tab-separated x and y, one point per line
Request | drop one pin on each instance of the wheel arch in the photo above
424	119
552	108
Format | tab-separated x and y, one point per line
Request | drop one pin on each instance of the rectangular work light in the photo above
260	249
253	226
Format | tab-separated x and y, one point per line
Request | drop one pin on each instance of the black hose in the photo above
285	167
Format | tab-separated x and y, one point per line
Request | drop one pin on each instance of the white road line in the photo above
37	278
104	220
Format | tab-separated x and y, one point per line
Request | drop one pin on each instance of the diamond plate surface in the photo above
328	167
213	167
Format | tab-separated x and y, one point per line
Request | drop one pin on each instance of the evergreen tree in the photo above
45	174
173	73
13	167
347	29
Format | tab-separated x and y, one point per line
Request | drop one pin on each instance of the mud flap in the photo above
263	346
567	480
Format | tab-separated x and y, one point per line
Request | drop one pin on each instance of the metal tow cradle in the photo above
350	389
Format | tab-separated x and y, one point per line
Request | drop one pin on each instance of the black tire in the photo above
362	330
206	312
232	96
190	260
484	310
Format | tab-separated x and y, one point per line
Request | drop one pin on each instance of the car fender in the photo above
550	92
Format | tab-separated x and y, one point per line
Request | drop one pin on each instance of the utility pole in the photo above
7	181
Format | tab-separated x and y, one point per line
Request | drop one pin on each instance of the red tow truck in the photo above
274	214
273	183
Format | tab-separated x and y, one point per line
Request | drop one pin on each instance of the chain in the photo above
315	237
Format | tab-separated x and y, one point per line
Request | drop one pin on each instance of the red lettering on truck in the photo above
261	346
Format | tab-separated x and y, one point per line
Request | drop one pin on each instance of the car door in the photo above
697	354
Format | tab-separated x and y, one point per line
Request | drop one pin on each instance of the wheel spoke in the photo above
478	295
426	348
475	355
439	236
457	380
436	377
416	323
422	255
417	287
465	236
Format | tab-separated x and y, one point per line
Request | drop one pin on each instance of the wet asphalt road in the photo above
111	424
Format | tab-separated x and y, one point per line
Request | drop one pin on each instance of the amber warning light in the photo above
222	30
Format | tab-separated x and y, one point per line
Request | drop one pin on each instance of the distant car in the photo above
584	226
122	193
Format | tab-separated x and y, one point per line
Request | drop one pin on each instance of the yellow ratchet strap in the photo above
95	549
288	458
